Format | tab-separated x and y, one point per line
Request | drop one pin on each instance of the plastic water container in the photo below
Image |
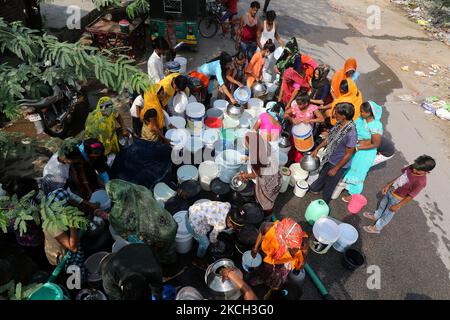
267	77
162	193
326	233
207	172
303	137
119	244
49	291
195	114
301	188
194	146
187	172
248	262
271	89
213	123
221	105
92	265
183	64
297	174
183	239
189	293
229	162
179	104
316	209
282	159
242	95
101	197
230	123
192	99
178	137
286	177
210	136
177	122
222	145
357	203
214	112
255	104
348	235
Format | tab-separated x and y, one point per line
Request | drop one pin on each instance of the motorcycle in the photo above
53	114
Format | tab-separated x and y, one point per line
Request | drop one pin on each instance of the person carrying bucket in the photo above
285	249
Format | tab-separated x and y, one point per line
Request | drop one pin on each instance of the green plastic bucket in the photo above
49	291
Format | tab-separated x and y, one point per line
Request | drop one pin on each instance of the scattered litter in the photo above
443	113
428	107
422	22
420	73
405	68
406	97
440	108
432	99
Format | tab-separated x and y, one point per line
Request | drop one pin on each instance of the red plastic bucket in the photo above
356	204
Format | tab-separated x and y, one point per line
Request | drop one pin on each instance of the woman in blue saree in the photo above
370	130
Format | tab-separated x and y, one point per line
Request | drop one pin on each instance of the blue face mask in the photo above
355	76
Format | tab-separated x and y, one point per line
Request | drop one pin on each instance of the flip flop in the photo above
345	200
369	229
369	216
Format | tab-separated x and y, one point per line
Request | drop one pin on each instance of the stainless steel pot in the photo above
237	184
309	163
259	90
284	140
234	111
222	290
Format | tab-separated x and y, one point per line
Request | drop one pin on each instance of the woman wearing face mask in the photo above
254	69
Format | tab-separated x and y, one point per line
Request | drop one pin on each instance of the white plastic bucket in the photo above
326	233
177	122
267	77
178	137
194	146
195	114
255	104
210	136
101	197
214	112
297	174
303	137
248	262
119	244
192	99
187	172
183	63
221	105
286	177
348	236
179	104
229	162
230	123
271	89
301	188
162	193
207	172
183	239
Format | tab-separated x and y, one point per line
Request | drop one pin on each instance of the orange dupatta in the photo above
340	75
254	68
276	253
353	96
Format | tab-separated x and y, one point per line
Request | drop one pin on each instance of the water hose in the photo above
319	285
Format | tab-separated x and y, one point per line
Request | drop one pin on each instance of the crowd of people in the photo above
348	130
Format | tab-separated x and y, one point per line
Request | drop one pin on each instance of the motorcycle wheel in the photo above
208	27
53	127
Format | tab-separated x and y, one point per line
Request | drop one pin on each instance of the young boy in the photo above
150	130
171	38
400	191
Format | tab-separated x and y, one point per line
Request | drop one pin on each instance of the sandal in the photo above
346	199
369	216
371	229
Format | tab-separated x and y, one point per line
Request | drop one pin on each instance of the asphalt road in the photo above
412	252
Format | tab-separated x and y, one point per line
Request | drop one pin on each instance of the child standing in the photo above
171	38
151	130
400	191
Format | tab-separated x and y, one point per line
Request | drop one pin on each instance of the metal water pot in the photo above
234	111
259	90
309	163
284	140
222	290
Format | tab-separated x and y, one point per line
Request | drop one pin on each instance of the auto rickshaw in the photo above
186	14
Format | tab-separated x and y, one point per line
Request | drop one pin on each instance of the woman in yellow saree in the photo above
101	125
153	99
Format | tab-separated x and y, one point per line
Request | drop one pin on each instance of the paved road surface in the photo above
413	252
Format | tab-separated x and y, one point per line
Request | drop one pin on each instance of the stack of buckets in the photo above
184	239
